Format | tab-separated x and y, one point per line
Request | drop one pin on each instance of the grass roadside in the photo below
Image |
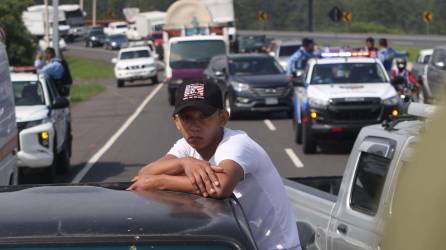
86	74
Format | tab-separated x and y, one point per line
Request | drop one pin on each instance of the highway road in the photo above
121	130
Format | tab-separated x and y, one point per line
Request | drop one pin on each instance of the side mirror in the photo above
298	81
114	60
61	103
440	64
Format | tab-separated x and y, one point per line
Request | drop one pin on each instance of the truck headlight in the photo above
392	101
317	103
93	38
240	87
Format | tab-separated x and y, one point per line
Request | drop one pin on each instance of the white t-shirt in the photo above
261	193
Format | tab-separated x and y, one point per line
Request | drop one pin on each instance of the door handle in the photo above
342	229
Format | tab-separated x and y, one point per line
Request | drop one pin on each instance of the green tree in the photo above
19	42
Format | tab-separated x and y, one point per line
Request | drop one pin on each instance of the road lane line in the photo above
294	158
270	124
114	137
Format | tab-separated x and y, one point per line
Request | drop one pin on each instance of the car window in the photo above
195	54
134	54
369	182
347	73
438	56
254	66
28	93
288	50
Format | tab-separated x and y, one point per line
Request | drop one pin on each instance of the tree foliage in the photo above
19	42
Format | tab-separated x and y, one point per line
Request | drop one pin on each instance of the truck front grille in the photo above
267	92
367	110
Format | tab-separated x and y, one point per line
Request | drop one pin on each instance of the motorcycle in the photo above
406	91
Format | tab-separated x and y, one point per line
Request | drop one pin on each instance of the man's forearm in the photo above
176	183
169	167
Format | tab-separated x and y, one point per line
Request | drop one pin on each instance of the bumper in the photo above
129	75
262	104
32	154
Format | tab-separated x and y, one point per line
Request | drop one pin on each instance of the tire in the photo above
86	44
309	144
120	83
171	97
154	79
63	158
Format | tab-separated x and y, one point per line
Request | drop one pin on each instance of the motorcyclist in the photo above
403	78
298	61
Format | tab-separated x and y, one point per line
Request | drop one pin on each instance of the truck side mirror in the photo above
61	103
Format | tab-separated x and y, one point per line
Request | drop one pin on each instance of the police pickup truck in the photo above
44	124
349	212
339	94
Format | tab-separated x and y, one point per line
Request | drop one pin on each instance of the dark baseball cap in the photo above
206	97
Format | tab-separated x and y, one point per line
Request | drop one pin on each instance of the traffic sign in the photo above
262	16
427	16
111	13
335	14
347	16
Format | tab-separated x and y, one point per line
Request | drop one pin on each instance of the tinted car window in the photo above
28	93
135	54
288	50
369	182
254	66
439	56
347	73
195	53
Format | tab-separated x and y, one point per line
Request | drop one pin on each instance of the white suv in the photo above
137	63
44	124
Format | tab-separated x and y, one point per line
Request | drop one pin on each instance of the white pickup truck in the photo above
348	212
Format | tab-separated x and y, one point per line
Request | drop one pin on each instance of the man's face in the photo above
198	130
370	44
309	47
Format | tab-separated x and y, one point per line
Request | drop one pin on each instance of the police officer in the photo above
298	61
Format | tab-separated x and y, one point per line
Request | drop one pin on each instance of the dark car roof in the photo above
97	211
249	55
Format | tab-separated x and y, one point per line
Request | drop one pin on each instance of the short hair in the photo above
383	42
370	40
50	51
307	41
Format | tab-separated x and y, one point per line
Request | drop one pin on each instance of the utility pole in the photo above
81	5
310	16
94	12
46	23
56	27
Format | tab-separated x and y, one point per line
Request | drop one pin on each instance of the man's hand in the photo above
202	175
146	183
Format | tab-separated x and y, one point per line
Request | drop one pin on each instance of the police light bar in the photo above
345	54
22	69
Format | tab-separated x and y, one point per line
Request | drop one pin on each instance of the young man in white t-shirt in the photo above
214	161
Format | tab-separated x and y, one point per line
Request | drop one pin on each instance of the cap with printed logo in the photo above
206	97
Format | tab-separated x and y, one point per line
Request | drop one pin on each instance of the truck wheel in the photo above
309	144
62	158
171	98
155	79
120	83
298	133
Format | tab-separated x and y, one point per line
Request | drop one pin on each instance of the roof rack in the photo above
414	112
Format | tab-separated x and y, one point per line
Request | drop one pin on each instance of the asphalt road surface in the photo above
121	130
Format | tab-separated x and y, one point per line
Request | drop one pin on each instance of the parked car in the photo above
251	83
105	216
8	128
284	50
116	42
95	37
44	126
436	75
349	212
136	63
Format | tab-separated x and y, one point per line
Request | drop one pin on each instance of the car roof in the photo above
345	60
22	77
404	128
249	55
135	49
107	210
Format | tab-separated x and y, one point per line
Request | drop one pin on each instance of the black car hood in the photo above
262	81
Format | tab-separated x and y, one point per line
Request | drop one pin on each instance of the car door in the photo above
357	213
59	115
8	128
436	74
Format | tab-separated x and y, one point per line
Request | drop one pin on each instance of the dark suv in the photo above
250	82
436	74
95	37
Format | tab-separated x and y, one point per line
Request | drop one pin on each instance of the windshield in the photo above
338	73
254	66
195	54
288	50
97	32
122	26
134	54
28	93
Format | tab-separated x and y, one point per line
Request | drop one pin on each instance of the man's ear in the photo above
176	121
224	117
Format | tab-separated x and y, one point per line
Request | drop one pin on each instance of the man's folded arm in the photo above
168	164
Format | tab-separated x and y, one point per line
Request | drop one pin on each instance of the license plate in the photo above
271	101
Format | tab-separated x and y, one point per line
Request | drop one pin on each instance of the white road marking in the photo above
294	158
114	137
270	125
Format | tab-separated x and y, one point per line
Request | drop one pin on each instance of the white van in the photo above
8	128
